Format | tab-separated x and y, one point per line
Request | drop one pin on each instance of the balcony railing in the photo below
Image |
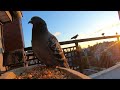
71	53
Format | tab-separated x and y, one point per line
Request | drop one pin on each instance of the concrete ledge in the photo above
8	75
12	73
102	73
74	74
18	71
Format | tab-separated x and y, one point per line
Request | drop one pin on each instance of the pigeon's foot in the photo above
66	65
63	64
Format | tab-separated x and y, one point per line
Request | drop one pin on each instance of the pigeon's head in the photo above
37	20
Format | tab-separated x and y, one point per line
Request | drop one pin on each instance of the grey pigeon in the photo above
45	45
74	37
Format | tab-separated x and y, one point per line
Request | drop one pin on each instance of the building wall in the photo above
0	38
1	56
13	36
1	52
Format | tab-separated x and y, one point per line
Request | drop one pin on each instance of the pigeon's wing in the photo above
54	46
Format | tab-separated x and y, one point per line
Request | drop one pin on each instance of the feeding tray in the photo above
43	72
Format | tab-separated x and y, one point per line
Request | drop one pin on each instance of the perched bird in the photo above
116	33
45	45
74	37
103	34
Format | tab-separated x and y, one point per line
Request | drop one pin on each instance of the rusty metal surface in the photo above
5	16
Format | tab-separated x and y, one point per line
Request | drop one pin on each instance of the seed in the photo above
29	76
49	72
45	72
44	77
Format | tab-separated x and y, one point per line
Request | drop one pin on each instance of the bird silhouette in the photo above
116	33
103	34
45	45
74	37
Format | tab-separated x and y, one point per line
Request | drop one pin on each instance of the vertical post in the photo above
79	57
118	38
77	48
76	44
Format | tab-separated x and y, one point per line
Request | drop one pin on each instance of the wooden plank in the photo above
28	48
31	59
30	54
80	40
68	47
88	39
9	15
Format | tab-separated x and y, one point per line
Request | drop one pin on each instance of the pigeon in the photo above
74	37
45	45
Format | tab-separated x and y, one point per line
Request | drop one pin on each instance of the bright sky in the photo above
65	24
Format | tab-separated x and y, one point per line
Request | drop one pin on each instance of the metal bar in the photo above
80	40
88	39
31	59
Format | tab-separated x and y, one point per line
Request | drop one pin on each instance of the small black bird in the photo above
103	34
74	37
116	33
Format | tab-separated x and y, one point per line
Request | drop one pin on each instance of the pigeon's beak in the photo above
30	22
